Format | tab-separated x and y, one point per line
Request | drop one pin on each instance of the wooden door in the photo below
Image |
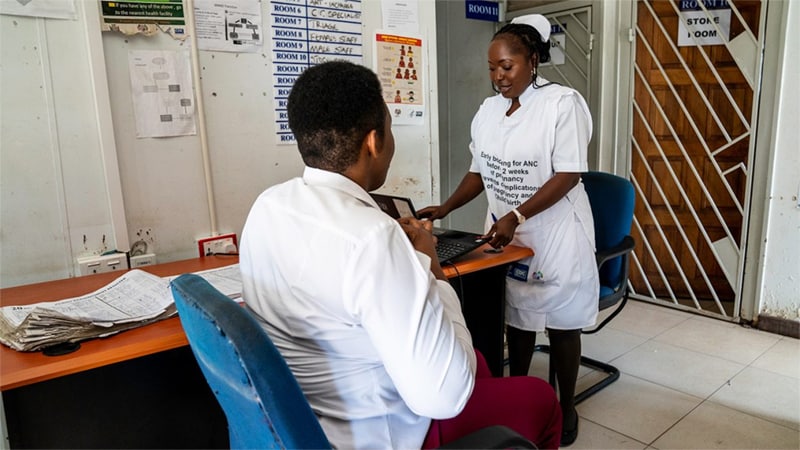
690	162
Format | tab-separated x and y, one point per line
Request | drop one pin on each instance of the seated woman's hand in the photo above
420	234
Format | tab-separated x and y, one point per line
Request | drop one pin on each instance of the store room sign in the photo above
698	27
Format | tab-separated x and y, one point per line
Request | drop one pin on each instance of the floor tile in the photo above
765	394
646	320
594	436
714	426
637	408
677	368
782	358
722	339
608	344
670	361
540	365
589	378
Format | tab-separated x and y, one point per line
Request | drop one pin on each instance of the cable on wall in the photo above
201	116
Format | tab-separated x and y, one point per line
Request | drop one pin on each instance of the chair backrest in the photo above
261	399
611	198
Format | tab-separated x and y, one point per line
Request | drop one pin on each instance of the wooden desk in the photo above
154	364
23	368
480	260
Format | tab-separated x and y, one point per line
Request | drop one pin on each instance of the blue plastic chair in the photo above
611	198
253	384
261	399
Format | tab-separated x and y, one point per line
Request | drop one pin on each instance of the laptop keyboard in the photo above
447	250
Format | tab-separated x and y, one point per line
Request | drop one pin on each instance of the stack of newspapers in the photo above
134	299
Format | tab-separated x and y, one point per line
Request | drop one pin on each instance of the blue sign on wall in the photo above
483	10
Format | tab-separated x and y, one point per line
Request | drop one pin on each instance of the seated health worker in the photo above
357	302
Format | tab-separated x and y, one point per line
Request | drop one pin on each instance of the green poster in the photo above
162	12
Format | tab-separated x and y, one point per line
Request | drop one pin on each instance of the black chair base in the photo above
612	374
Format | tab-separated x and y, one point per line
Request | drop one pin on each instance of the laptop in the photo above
450	244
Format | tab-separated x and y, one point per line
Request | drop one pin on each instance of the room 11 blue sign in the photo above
483	10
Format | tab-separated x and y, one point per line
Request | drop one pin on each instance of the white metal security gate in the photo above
692	141
570	50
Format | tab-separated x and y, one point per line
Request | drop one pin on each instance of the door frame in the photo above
772	24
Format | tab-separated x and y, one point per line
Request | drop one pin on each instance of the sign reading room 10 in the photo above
699	27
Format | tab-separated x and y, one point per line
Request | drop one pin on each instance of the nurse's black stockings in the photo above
520	350
565	357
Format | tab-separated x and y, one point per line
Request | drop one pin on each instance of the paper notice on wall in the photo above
709	27
233	26
400	15
163	94
51	9
558	45
400	67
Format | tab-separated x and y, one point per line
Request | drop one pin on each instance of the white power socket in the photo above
105	263
147	259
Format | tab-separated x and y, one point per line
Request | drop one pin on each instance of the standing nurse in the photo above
529	147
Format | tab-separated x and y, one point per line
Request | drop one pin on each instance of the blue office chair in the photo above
257	391
611	198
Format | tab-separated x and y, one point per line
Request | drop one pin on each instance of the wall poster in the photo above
147	17
228	27
399	64
163	93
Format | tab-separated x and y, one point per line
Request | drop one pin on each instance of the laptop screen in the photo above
450	244
396	207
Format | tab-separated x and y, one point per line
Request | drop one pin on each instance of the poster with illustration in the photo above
400	67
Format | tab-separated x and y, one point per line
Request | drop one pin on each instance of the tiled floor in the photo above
688	382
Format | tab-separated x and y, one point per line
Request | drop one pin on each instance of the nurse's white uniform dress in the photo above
558	287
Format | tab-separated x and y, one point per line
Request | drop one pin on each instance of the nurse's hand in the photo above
502	232
432	212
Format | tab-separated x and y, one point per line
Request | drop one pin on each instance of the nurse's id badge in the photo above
519	272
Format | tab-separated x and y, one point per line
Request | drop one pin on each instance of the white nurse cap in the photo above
537	21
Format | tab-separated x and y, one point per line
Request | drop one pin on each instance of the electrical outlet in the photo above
222	244
142	260
101	264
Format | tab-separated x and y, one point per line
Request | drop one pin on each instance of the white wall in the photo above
463	85
54	183
780	287
53	190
